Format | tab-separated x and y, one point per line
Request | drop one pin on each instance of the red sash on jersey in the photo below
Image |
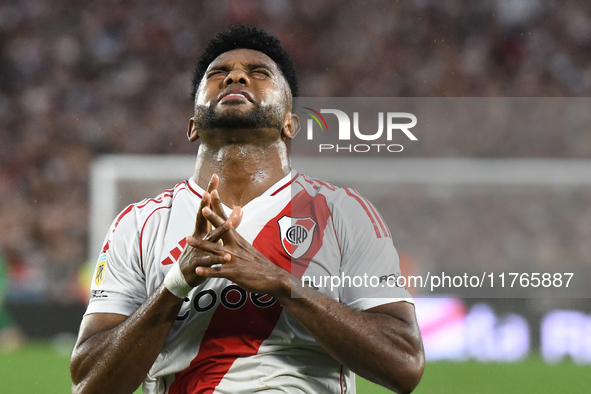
234	333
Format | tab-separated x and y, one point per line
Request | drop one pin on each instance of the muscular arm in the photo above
114	353
382	344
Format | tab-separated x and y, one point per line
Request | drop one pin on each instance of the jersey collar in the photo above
282	184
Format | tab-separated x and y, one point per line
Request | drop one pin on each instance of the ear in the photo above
192	133
291	127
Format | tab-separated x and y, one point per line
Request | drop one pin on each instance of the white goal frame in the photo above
108	170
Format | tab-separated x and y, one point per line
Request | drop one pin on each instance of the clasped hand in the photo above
233	258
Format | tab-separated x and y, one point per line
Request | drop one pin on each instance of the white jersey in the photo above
225	339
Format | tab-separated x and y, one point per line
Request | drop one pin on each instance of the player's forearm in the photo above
378	347
118	359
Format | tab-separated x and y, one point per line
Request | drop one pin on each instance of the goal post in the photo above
119	180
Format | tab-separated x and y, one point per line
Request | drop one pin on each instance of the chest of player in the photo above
299	244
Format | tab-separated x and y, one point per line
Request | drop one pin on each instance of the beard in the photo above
260	117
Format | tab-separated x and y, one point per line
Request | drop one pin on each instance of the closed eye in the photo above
214	73
261	71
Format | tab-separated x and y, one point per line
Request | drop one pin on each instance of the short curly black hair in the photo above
244	37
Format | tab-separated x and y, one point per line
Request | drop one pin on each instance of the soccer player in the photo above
224	310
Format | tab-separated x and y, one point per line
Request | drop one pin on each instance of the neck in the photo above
246	170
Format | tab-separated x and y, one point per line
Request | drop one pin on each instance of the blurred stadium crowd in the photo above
78	79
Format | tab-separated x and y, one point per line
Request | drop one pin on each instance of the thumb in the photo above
236	216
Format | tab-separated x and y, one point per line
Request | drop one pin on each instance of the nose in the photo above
236	76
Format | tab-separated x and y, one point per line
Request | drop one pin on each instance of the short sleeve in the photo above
118	284
370	264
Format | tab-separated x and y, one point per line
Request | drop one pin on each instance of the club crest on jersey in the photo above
296	235
100	270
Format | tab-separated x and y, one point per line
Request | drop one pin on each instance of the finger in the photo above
208	261
219	232
229	236
216	205
236	216
214	182
207	246
210	272
201	223
215	219
212	217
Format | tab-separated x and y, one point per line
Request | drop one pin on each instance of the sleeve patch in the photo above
100	269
